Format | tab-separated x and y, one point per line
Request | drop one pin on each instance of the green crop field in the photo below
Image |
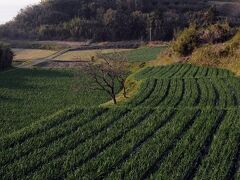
187	86
27	95
184	123
143	54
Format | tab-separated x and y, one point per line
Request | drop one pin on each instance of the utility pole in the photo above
135	4
150	33
150	25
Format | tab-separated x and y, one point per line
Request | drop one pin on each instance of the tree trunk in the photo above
113	95
124	91
124	88
114	99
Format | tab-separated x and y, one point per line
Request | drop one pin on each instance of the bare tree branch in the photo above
112	69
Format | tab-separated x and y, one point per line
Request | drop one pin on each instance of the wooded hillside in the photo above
113	20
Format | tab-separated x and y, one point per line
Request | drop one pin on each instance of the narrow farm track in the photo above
182	124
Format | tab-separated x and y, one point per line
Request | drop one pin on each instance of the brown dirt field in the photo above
85	55
31	54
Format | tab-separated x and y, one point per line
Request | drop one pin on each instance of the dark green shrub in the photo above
6	57
186	42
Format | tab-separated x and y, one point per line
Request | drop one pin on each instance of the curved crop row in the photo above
36	128
122	143
147	89
233	85
184	158
25	162
182	71
63	131
75	145
176	93
223	151
122	149
153	151
160	96
94	146
155	93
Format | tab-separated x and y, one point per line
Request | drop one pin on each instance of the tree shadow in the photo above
9	99
24	78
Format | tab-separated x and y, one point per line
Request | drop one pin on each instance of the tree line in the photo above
107	20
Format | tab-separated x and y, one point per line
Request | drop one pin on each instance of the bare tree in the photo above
106	74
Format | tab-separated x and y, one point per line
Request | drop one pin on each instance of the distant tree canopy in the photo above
112	20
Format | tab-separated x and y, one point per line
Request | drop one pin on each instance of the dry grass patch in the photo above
31	54
85	55
226	55
165	58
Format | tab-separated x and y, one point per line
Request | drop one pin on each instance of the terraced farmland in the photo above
183	124
178	86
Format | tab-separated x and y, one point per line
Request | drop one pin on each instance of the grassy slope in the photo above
223	55
28	95
208	56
